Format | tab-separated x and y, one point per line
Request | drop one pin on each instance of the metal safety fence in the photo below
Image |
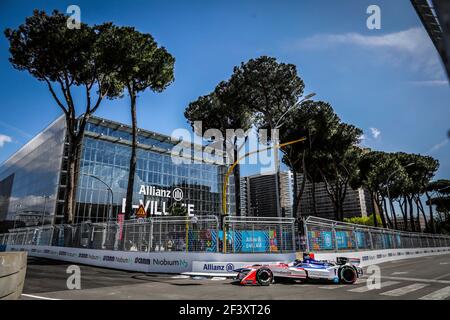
258	234
328	235
166	233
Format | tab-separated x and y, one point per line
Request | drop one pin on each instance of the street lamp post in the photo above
276	155
389	196
109	189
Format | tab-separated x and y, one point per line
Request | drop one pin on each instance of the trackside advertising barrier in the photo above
164	262
329	239
161	244
323	235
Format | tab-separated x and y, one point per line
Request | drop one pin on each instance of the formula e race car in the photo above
344	270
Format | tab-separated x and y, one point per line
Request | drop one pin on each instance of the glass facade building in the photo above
29	179
163	183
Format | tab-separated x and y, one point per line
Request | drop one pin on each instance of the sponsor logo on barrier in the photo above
212	267
161	262
230	267
109	258
123	260
83	255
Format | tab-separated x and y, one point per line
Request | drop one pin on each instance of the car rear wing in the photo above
344	260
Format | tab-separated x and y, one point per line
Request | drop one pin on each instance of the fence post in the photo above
253	239
371	239
217	235
356	238
305	227
293	236
335	238
394	240
150	236
51	235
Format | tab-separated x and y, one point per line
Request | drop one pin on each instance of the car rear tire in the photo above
347	275
264	276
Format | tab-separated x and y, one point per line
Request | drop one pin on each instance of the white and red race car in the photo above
344	270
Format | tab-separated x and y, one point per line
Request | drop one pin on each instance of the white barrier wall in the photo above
164	262
380	256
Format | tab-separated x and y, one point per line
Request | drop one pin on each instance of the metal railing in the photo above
166	233
329	235
258	234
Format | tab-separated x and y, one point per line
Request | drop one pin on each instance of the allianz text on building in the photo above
32	180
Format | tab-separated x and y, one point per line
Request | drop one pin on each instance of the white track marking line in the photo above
398	272
365	288
404	290
417	280
38	297
443	276
218	278
437	295
180	277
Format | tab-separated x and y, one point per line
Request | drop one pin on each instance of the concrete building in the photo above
356	203
259	196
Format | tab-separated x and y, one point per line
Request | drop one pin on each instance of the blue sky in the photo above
388	82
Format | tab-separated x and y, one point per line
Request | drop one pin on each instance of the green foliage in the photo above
136	58
65	58
367	221
441	186
442	203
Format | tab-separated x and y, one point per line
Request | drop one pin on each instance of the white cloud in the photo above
431	83
411	47
375	132
438	146
4	139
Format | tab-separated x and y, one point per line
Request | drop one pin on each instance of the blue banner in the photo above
341	239
361	239
327	240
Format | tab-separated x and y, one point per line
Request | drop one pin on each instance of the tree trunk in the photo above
298	196
383	218
430	208
411	214
295	190
237	178
375	207
404	208
130	187
394	214
389	221
70	183
421	209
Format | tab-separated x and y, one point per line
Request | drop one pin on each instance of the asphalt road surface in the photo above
411	279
